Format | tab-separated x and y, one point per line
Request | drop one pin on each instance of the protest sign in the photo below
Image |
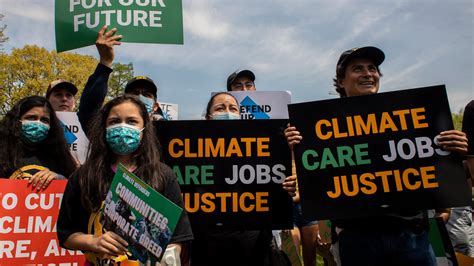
75	137
140	215
262	104
376	154
28	225
170	110
77	22
230	172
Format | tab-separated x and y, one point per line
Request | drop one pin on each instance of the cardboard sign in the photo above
140	215
75	137
376	154
170	111
77	22
28	225
230	172
262	104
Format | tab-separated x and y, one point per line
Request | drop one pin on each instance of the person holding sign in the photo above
61	95
121	133
231	247
459	225
398	238
95	90
33	144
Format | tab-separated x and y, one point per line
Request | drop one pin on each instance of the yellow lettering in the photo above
319	133
171	145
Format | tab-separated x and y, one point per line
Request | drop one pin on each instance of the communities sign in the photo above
376	154
140	215
28	225
230	172
77	22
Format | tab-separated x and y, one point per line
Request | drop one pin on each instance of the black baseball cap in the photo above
144	82
373	53
61	84
244	73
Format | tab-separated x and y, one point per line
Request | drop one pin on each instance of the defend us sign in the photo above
376	154
75	137
139	21
230	172
262	104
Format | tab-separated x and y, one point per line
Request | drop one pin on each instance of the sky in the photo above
289	45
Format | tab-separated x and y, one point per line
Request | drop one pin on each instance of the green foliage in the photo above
457	119
119	78
3	38
28	71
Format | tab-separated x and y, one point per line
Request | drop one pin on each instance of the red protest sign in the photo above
28	225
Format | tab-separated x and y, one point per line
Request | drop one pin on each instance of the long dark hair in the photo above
96	174
14	147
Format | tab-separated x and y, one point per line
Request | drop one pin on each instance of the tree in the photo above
457	119
119	78
3	38
29	70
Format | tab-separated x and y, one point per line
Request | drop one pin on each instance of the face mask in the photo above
148	103
225	116
34	131
123	138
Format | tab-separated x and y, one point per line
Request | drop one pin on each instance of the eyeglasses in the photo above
241	85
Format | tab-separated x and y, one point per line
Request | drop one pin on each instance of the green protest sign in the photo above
141	21
140	215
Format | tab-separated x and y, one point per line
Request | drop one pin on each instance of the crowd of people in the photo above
122	132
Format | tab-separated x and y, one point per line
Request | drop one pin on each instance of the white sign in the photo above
262	104
75	137
170	111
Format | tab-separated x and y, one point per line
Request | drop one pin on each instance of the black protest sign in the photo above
376	154
230	172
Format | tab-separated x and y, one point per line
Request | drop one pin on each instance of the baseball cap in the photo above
373	53
236	74
142	81
59	84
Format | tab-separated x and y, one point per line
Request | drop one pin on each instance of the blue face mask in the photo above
34	131
148	103
123	138
225	116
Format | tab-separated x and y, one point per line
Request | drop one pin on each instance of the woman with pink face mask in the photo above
33	144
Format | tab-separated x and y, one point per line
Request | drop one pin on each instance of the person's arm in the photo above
443	213
468	128
453	140
95	90
290	184
108	243
470	168
292	136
